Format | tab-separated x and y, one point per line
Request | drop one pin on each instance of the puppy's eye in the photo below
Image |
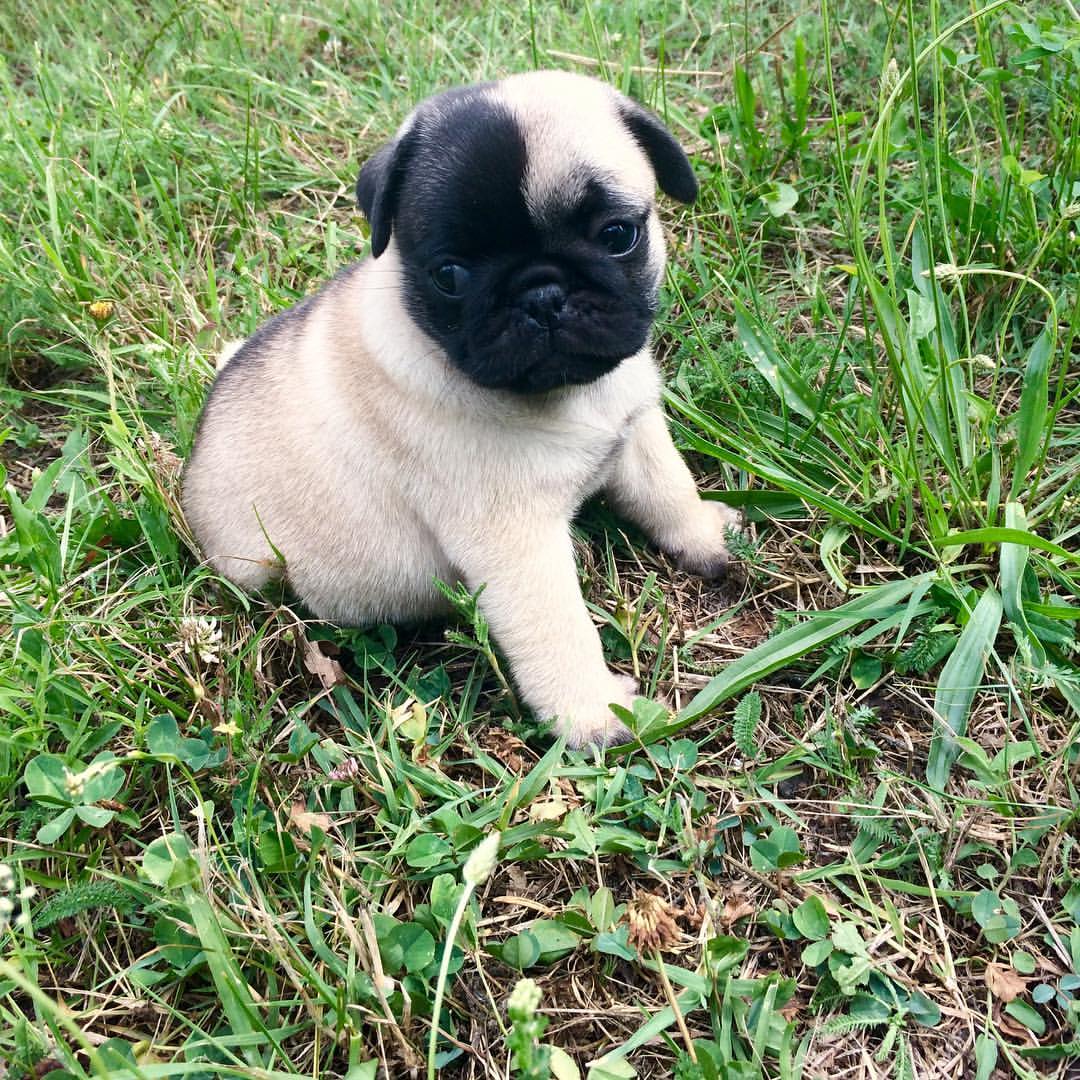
450	278
620	237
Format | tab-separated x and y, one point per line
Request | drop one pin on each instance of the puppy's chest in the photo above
574	459
562	461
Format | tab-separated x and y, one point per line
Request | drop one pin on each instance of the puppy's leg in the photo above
652	487
533	604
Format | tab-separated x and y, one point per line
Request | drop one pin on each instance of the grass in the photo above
236	839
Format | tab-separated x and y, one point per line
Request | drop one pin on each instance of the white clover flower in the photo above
7	906
202	635
524	999
482	861
28	893
7	878
74	783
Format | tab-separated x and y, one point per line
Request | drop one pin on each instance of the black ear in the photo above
379	186
671	165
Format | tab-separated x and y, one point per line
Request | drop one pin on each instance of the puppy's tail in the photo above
226	354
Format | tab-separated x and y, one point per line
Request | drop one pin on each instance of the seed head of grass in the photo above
482	861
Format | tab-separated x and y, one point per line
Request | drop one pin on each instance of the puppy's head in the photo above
524	215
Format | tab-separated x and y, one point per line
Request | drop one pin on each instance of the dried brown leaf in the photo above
325	668
208	710
505	748
1049	966
1004	982
1014	1029
550	809
304	819
693	915
736	907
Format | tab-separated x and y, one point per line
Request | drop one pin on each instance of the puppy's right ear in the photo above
379	186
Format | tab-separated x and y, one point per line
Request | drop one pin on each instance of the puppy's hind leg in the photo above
652	487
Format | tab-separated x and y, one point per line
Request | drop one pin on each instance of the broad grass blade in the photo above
879	603
953	388
786	382
777	475
960	678
998	535
1031	416
659	1022
1014	560
233	991
923	406
535	782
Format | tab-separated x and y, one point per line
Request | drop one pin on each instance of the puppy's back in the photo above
298	458
243	447
227	353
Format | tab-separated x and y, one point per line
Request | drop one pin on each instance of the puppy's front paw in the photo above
701	548
595	723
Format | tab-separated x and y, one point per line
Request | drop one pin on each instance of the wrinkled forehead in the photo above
574	139
527	152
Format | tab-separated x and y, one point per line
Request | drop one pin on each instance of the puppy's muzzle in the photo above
543	304
541	293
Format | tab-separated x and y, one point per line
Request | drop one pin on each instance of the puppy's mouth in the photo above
531	351
556	370
546	368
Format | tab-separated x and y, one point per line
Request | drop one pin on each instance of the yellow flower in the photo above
100	310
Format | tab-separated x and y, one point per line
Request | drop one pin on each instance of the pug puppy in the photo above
441	409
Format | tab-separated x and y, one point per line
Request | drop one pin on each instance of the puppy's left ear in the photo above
669	161
379	186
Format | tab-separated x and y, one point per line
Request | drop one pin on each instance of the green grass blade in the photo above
659	1022
821	627
1014	561
535	782
1031	415
953	391
1005	535
920	393
777	475
960	678
785	381
233	990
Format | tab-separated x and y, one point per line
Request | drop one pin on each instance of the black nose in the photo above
544	303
